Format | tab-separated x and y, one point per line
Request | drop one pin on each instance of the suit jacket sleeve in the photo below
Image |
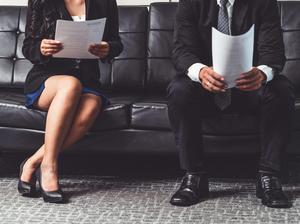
270	41
114	40
33	38
187	48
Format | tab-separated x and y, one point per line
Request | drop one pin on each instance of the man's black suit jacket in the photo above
194	22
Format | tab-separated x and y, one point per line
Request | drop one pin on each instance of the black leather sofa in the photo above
137	120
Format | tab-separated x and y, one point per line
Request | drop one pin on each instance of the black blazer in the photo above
194	22
41	24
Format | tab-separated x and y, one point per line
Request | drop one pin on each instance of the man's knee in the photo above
180	90
281	91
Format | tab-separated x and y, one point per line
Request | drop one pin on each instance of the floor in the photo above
137	199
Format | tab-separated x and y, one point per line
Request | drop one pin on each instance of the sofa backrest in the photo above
128	71
160	69
290	22
12	63
145	63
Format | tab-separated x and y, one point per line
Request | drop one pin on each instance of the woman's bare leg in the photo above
87	111
60	97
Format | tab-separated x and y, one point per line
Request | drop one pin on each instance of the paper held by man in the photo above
78	36
232	55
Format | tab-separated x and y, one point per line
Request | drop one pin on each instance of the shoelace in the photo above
189	182
271	183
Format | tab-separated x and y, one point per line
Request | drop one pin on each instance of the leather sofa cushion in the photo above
116	115
152	113
13	113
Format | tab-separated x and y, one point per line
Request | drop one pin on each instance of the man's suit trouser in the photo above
189	103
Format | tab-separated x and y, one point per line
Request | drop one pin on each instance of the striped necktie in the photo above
223	100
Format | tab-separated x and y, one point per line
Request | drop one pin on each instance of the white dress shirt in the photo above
193	71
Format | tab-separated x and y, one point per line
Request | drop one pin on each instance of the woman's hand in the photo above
100	50
50	47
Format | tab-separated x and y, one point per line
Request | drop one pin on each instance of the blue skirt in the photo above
33	96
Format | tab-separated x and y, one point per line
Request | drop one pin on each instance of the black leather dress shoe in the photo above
56	196
26	189
193	189
269	190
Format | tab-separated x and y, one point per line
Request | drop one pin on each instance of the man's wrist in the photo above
194	71
267	71
264	77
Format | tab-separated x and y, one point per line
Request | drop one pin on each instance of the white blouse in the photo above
78	18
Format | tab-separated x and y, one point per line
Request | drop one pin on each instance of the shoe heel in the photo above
24	188
49	196
53	196
27	190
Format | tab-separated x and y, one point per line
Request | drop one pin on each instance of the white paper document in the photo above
232	55
76	37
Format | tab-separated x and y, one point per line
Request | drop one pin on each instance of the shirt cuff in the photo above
193	71
268	71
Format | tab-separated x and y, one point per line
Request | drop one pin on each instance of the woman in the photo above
68	89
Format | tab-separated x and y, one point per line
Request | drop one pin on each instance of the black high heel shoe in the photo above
26	189
49	196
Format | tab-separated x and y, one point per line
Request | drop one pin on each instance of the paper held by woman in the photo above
76	37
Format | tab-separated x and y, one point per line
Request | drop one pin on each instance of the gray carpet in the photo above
112	200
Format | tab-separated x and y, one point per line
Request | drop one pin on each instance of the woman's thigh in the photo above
52	85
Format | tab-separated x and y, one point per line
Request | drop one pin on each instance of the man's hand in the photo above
251	80
49	47
100	50
212	81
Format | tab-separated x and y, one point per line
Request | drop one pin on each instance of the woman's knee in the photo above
65	83
70	85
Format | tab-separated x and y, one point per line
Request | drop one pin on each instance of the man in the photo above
198	91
